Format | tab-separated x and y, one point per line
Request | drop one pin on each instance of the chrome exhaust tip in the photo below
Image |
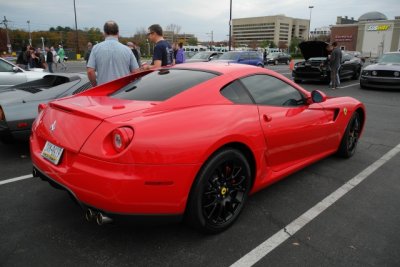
90	215
102	219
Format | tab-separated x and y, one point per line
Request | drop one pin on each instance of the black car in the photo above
276	58
385	74
316	67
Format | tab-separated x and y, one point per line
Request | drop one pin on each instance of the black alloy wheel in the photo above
349	141
219	192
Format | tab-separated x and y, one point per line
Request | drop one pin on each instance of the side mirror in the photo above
16	69
318	96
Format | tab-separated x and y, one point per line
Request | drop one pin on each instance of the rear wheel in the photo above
276	62
219	192
350	138
297	81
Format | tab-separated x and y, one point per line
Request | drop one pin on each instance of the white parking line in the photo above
350	85
16	179
278	238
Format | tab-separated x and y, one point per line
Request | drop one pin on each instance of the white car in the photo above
11	74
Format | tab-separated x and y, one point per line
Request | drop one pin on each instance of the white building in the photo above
278	29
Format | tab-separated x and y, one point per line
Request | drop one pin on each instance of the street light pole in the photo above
76	31
5	21
230	26
309	23
29	29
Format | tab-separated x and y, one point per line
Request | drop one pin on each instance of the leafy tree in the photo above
294	44
192	41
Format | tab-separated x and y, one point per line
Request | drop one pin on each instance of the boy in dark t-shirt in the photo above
163	53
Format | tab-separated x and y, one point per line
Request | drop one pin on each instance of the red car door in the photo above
294	130
294	134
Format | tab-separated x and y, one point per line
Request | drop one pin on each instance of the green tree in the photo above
192	41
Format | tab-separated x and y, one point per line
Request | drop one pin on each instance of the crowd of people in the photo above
107	60
31	57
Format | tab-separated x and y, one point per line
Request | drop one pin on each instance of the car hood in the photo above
384	66
313	49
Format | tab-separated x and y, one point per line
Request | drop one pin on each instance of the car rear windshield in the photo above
163	84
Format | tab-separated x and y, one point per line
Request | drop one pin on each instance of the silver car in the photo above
11	74
19	103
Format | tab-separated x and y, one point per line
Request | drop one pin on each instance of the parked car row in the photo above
242	57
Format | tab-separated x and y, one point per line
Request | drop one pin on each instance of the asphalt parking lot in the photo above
291	223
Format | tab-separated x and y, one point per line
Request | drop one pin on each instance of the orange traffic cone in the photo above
291	65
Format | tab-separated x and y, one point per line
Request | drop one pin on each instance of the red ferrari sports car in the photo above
192	140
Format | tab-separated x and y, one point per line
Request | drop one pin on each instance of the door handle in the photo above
267	118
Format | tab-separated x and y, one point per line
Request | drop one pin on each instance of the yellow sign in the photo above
382	27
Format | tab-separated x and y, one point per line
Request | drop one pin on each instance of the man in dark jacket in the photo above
334	63
49	59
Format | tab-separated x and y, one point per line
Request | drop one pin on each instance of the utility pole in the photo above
29	29
5	21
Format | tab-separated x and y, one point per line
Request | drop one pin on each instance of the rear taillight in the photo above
2	116
121	138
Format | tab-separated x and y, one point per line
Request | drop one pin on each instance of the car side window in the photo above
268	90
5	67
254	56
236	93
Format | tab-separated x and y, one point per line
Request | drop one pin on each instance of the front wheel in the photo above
219	192
350	138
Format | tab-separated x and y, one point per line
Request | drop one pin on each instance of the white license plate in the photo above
52	152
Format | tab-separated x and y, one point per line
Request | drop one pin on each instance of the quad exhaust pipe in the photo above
99	217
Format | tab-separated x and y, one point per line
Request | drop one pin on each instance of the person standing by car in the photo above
163	53
110	59
180	54
87	54
49	59
133	47
61	55
334	63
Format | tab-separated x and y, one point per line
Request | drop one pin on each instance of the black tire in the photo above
219	192
350	138
276	62
287	62
297	81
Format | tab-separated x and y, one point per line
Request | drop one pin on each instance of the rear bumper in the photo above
126	189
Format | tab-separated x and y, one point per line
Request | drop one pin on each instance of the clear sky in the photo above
198	17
